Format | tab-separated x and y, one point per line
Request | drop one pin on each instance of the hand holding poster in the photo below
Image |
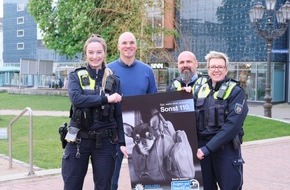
161	141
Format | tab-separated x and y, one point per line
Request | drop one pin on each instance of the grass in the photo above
35	102
47	150
47	146
257	128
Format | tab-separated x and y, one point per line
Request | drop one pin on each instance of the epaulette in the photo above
80	68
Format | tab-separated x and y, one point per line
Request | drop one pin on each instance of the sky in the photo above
1	8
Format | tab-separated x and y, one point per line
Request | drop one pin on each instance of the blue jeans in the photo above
118	163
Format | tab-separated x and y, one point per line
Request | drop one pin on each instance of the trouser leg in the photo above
118	164
229	167
103	163
74	169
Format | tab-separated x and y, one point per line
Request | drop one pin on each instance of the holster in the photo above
82	118
62	132
236	142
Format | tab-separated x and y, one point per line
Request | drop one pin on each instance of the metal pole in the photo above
268	97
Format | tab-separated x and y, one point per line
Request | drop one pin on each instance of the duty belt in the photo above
103	133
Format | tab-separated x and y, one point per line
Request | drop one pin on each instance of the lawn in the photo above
35	102
47	149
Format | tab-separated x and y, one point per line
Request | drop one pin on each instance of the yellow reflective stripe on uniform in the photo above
205	90
177	85
199	82
228	91
86	74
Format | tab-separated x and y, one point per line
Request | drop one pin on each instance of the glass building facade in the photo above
224	25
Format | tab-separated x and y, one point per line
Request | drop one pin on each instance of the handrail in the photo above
27	109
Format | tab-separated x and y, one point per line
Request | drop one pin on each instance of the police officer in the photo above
96	119
221	109
188	80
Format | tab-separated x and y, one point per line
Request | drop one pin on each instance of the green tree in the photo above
66	24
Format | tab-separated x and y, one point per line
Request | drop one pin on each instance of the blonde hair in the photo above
216	54
95	38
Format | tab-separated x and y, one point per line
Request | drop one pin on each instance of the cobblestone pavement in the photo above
267	164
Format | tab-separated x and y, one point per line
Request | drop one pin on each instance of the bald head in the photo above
188	55
126	35
187	65
127	47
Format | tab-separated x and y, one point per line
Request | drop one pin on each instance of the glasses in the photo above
216	67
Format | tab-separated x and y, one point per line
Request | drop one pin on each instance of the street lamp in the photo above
274	27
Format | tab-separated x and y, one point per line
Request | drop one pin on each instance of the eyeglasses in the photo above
213	67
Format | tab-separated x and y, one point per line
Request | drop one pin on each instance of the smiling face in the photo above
217	69
127	46
187	65
95	55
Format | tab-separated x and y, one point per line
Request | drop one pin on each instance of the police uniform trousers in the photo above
118	164
225	166
102	159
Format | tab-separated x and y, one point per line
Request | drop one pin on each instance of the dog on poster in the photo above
160	153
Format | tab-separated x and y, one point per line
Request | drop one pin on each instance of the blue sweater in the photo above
137	79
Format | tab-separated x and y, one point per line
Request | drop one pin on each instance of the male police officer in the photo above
188	79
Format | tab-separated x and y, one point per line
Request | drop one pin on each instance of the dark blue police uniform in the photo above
98	122
220	113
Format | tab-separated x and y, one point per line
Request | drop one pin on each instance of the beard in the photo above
186	76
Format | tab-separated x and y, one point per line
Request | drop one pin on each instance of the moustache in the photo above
186	68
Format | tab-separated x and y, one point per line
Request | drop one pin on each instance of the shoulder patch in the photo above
238	108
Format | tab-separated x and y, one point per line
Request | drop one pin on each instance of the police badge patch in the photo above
238	108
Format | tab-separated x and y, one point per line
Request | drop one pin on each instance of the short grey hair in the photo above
216	54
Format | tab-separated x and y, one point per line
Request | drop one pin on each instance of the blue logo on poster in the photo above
180	185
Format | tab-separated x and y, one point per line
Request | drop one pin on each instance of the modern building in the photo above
224	25
220	25
22	42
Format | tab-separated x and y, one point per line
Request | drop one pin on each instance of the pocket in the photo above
65	156
238	162
211	116
200	120
220	115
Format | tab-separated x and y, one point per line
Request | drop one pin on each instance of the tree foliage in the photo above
66	24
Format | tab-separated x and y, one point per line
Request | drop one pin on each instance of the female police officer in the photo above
221	110
96	117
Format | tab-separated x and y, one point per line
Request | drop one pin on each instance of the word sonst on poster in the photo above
181	106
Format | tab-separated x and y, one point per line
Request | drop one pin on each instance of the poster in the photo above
161	141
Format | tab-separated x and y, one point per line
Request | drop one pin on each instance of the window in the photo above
20	20
20	46
160	16
20	7
20	33
155	20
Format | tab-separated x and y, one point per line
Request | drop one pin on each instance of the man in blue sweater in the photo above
136	77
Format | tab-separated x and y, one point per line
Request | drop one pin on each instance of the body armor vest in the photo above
211	108
86	116
198	83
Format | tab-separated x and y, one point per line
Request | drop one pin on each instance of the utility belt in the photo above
98	136
205	138
102	133
84	117
236	142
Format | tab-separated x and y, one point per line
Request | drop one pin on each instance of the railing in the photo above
27	109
